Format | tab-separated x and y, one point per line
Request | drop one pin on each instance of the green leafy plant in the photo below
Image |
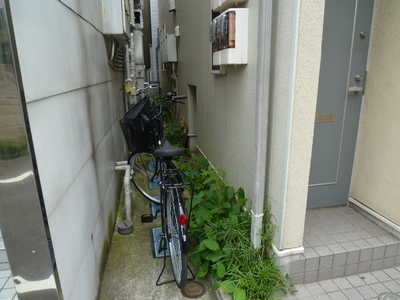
174	131
220	227
202	174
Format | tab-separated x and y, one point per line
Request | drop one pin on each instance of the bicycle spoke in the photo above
143	176
176	236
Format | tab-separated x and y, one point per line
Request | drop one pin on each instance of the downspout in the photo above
123	165
262	104
132	54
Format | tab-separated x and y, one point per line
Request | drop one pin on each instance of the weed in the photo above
221	229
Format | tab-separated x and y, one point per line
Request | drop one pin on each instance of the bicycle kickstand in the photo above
163	247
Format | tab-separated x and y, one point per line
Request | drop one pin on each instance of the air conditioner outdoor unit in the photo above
114	20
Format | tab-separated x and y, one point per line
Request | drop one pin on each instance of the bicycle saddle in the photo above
168	150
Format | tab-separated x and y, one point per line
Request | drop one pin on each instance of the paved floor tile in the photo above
381	275
302	291
322	297
392	285
342	283
367	292
353	294
393	273
338	295
355	280
315	288
379	288
368	278
328	286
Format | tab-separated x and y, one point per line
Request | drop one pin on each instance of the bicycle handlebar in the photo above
169	97
179	97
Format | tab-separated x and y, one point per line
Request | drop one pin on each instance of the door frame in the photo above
346	117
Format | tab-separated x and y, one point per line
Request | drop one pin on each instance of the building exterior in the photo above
298	125
61	102
267	120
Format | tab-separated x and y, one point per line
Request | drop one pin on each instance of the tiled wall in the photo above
74	104
7	288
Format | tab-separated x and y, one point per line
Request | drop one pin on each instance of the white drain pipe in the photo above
262	103
123	165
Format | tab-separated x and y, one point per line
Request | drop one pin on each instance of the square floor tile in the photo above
367	292
355	281
342	283
392	285
368	278
393	273
379	288
353	294
328	286
315	288
381	275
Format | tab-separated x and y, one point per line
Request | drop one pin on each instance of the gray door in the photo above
347	28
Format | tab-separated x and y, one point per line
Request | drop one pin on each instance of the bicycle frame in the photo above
174	219
173	183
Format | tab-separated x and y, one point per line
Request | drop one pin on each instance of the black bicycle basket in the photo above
139	134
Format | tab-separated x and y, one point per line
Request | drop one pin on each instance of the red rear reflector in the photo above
183	219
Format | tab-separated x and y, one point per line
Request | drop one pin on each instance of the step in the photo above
341	242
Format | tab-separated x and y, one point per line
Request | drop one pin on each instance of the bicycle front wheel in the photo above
144	177
177	237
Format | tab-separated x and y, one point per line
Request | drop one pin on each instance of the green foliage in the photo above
202	174
173	132
221	228
173	129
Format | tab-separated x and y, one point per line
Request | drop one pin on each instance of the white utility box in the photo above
229	37
168	49
172	5
114	20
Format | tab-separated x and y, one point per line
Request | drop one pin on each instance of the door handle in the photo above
356	89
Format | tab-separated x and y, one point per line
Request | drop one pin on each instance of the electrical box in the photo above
115	22
168	49
229	37
221	5
172	4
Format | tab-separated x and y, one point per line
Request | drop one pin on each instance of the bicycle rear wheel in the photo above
177	237
143	169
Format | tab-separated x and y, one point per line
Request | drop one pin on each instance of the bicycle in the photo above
152	164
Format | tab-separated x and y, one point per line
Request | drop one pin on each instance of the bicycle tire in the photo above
177	237
143	167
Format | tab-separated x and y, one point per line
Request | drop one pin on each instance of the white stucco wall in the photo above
304	106
74	105
376	172
297	38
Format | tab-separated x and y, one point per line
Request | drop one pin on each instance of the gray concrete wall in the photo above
74	104
225	103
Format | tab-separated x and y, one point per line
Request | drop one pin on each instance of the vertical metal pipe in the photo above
262	104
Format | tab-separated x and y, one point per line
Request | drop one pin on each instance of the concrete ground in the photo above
131	270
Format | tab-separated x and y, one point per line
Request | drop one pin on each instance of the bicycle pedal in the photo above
147	218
